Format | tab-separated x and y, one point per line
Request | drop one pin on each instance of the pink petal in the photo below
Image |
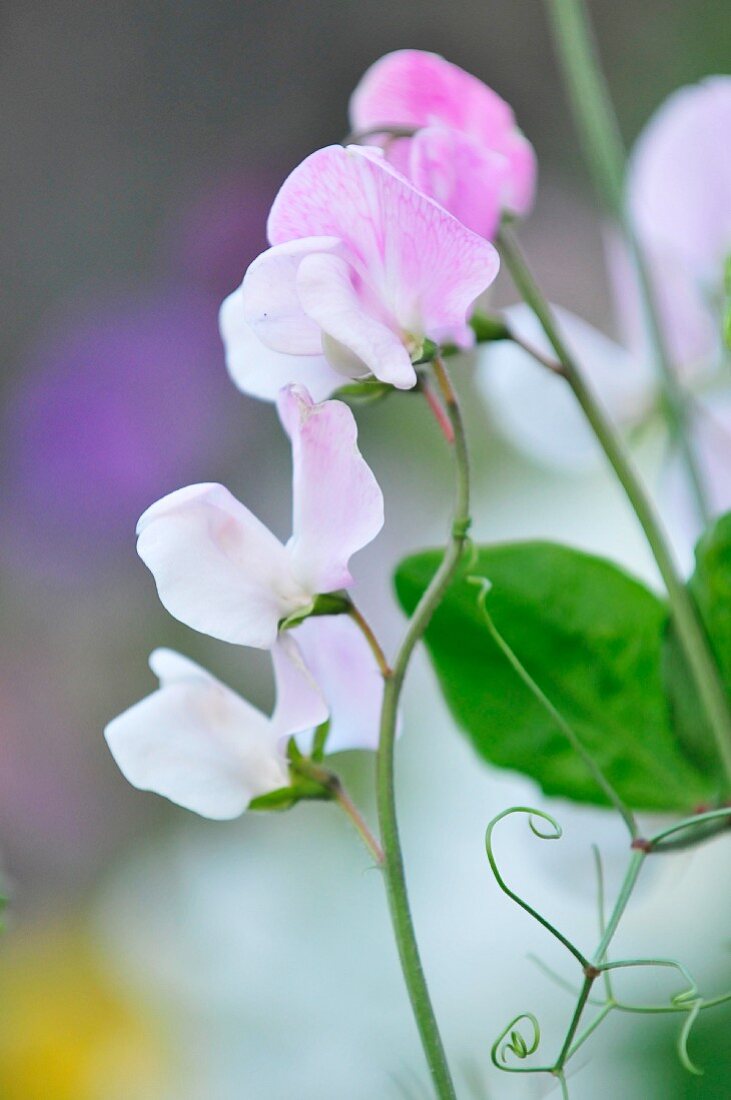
679	180
342	664
337	502
270	300
679	197
420	269
328	296
462	176
411	88
416	88
217	568
196	742
257	370
520	178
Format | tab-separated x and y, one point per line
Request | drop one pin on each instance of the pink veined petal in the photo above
270	301
218	569
337	502
535	409
301	706
520	178
260	372
416	88
419	268
342	664
465	178
327	294
196	742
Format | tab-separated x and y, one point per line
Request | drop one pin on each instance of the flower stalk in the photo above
393	865
692	637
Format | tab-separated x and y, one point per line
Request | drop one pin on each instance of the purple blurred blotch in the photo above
111	409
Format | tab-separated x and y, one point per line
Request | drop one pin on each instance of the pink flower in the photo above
221	571
467	152
679	198
363	269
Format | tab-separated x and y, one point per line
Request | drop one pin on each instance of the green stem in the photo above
691	635
575	1021
635	866
605	154
350	809
592	971
393	866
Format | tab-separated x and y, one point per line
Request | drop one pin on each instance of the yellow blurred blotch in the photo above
66	1033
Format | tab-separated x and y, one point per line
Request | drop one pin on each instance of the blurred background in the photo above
149	954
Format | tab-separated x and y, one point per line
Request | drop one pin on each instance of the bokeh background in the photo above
149	955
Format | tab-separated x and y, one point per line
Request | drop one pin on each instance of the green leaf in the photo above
591	636
710	587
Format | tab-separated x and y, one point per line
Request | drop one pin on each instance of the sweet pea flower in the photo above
219	570
679	199
201	745
466	152
363	270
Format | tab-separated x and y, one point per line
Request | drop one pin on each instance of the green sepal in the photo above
427	354
282	799
327	603
319	741
488	329
367	392
309	781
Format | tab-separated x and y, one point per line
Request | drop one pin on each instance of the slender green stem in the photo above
635	866
599	867
575	1021
368	633
605	154
393	866
350	809
591	1028
700	660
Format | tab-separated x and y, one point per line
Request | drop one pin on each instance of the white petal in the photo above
328	296
337	502
338	656
257	370
271	303
301	706
197	743
536	410
217	568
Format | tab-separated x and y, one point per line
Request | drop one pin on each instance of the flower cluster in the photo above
378	254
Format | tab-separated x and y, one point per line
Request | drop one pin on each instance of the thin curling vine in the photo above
511	1043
